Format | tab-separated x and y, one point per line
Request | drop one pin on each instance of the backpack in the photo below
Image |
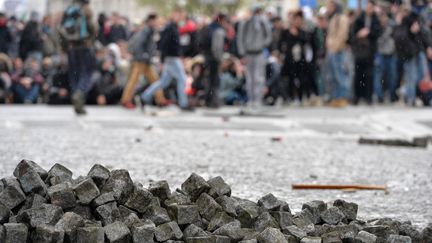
205	38
74	24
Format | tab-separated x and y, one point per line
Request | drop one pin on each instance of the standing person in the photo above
213	51
254	36
118	30
172	64
5	35
31	43
366	30
143	48
411	43
385	61
337	47
291	46
78	34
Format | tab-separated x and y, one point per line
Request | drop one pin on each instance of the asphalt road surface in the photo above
312	146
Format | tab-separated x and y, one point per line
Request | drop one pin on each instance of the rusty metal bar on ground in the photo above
337	187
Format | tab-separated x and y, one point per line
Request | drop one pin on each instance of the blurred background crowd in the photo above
379	53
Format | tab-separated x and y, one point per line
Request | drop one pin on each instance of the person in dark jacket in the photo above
81	59
291	45
411	43
173	67
143	48
5	35
31	43
366	30
118	30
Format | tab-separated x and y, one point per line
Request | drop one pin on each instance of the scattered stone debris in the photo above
420	142
107	206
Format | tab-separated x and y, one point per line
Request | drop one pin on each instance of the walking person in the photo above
337	56
213	51
143	48
78	34
172	64
254	36
366	29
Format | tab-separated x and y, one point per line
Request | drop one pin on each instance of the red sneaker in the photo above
129	105
166	103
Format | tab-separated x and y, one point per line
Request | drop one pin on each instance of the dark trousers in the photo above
363	80
81	67
294	75
213	82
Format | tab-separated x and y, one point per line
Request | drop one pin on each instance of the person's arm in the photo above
218	41
268	33
240	42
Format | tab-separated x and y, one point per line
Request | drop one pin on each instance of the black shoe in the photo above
78	100
187	109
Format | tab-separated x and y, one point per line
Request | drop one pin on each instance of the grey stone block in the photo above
15	233
193	231
160	189
271	235
26	165
219	219
264	221
316	208
382	232
295	231
399	239
209	239
132	220
269	202
108	213
427	233
82	210
62	195
90	235
310	239
47	234
365	237
233	230
178	198
69	224
117	232
86	191
59	174
331	237
247	213
228	204
45	214
249	241
168	231
157	215
348	209
4	214
121	184
218	187
332	215
184	214
139	200
194	186
284	219
143	233
31	182
2	234
12	196
207	206
411	231
99	175
103	199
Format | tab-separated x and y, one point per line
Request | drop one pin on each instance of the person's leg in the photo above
162	83
212	90
32	94
87	64
260	62
369	81
333	76
129	90
19	93
410	80
178	72
151	76
391	69
379	69
250	79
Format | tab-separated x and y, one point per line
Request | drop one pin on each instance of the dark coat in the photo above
5	39
365	49
169	44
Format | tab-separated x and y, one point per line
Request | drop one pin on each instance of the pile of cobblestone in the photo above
107	206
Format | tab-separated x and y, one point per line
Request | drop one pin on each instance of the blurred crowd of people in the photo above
334	56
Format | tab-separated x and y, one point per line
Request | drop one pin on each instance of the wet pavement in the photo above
256	155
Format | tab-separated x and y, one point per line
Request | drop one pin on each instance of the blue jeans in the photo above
173	69
339	72
385	69
23	95
81	66
414	71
